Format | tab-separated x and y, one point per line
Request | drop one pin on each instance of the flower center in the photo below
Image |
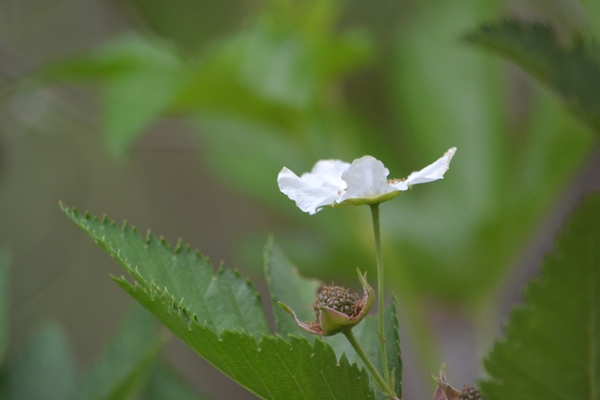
339	299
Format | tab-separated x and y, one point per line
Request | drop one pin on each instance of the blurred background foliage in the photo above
179	115
126	367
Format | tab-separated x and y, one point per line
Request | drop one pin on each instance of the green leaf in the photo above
366	334
281	62
551	350
218	312
503	180
592	23
225	301
125	363
272	368
299	293
45	370
287	286
163	383
3	303
141	78
571	70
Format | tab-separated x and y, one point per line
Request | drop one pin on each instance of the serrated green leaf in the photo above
45	370
125	363
163	383
271	368
571	70
286	285
275	71
552	345
224	301
3	303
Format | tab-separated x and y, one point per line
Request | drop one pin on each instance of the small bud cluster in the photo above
338	299
469	393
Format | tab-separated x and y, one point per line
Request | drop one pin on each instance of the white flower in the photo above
334	182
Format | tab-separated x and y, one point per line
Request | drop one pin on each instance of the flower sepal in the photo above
444	390
380	198
336	309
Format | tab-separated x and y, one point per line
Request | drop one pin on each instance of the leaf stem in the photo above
381	383
380	280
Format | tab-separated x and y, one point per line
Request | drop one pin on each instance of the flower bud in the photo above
336	309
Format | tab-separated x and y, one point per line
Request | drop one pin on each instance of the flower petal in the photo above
319	188
367	180
432	172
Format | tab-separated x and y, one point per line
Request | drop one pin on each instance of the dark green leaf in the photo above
45	370
225	301
124	364
287	286
218	312
571	70
552	345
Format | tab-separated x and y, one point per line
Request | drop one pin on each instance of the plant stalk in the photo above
380	283
381	383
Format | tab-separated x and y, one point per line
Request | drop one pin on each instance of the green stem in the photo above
379	260
381	383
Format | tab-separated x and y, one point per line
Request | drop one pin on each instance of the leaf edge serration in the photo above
179	319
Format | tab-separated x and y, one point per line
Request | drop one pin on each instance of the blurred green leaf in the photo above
456	239
274	72
272	368
124	365
225	301
571	70
140	78
551	345
4	262
218	312
592	8
45	370
191	23
299	293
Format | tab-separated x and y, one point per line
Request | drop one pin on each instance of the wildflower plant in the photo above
221	317
363	182
550	349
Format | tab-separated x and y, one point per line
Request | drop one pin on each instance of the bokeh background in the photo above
178	115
